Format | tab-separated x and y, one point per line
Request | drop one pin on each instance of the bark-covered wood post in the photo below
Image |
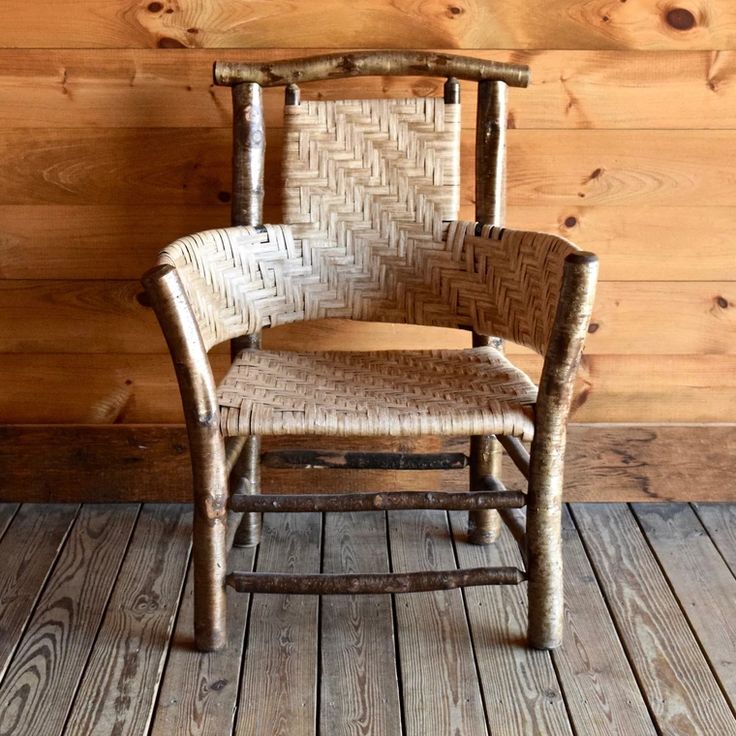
556	386
249	156
490	172
207	451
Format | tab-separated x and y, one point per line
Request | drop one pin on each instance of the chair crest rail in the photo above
369	63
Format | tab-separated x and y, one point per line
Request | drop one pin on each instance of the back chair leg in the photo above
245	478
485	460
544	561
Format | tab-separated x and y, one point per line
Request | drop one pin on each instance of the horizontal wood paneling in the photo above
143	166
48	316
144	88
149	463
464	24
132	388
113	142
121	242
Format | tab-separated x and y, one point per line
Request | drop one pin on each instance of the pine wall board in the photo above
459	24
114	141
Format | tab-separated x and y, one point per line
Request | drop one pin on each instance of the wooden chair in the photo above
371	196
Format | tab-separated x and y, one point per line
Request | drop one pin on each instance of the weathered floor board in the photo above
278	691
440	687
521	691
39	687
7	512
720	521
96	634
359	686
701	580
32	542
118	691
675	677
600	688
199	692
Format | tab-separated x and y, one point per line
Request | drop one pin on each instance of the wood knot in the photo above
348	65
721	302
223	196
143	299
453	11
680	19
155	7
593	327
146	604
170	43
570	221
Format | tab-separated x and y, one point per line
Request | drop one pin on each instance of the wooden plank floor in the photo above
96	618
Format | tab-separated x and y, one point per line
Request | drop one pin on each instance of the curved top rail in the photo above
369	63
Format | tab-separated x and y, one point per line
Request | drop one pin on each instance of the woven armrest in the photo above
499	282
516	280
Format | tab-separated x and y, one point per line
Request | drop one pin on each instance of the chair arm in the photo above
513	283
237	279
188	352
565	348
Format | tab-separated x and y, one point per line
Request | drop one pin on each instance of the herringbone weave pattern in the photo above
500	282
377	171
446	392
369	187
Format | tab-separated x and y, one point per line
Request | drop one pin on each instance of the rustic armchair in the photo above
370	206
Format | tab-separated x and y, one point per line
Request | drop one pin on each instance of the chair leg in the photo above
544	560
246	478
485	459
209	550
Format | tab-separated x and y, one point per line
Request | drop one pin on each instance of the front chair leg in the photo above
484	526
246	478
209	541
544	558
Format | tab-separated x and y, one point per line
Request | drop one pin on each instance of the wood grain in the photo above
143	88
191	166
440	691
89	242
129	654
45	316
142	463
643	243
671	669
558	24
701	580
40	684
115	166
358	679
7	512
278	689
519	684
134	388
199	691
720	521
601	691
32	542
649	462
121	242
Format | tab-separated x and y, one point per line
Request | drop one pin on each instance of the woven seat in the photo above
371	229
445	392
